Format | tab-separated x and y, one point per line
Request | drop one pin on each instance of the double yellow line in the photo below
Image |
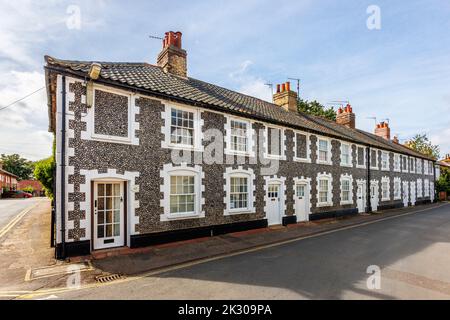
16	219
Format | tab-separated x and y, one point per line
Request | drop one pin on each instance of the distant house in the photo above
442	165
8	181
38	190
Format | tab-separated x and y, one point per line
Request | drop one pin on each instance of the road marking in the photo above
16	219
42	292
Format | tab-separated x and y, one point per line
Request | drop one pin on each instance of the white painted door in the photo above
273	204
405	193
361	197
301	197
108	214
374	196
432	191
413	193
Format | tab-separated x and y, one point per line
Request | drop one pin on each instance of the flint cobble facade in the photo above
148	159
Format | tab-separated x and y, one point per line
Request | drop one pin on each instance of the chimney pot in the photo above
283	87
288	86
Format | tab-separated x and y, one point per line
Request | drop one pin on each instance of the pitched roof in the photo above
153	80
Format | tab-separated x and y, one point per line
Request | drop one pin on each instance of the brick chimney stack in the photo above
395	140
346	117
172	58
382	130
286	98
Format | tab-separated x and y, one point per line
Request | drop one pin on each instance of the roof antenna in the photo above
155	37
298	86
270	85
373	118
387	119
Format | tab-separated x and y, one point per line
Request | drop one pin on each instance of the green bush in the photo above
28	189
43	172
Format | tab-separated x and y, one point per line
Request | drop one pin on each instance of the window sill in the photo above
385	199
329	163
181	216
324	204
111	139
274	157
232	212
360	166
182	147
342	203
305	160
346	165
374	168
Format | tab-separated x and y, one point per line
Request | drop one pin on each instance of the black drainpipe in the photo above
63	169
369	206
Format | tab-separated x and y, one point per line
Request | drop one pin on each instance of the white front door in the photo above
405	193
413	193
374	196
108	214
273	204
361	197
301	197
432	191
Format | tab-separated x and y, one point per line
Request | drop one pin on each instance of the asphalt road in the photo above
10	208
412	252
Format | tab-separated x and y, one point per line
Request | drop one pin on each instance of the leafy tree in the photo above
28	189
443	183
315	108
43	172
17	165
422	144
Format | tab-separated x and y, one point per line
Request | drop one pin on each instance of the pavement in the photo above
311	260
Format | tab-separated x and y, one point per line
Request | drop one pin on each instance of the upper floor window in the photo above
360	155
374	159
182	127
384	160
301	145
425	167
404	163
275	142
239	141
419	166
324	151
396	162
346	157
412	167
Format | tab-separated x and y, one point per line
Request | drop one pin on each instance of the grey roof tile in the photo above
154	79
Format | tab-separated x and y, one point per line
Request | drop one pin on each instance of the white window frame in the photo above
328	161
407	163
397	162
170	170
430	168
308	147
349	178
363	166
426	188
419	189
385	168
198	124
239	173
397	190
419	166
329	178
282	156
350	158
250	137
376	159
412	168
131	115
387	181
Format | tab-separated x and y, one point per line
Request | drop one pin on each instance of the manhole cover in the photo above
57	270
108	278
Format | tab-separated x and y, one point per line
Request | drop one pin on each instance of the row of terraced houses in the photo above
148	155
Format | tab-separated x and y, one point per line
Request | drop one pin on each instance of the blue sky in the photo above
400	72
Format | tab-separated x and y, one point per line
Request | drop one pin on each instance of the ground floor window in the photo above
397	186
419	188
238	193
239	188
182	194
324	190
385	189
